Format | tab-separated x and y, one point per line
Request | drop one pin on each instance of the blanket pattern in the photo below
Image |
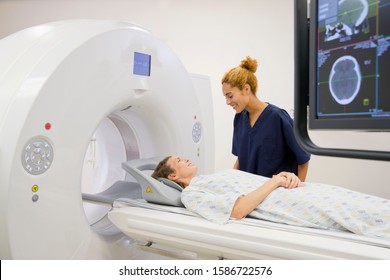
315	205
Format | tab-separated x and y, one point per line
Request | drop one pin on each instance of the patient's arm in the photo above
245	204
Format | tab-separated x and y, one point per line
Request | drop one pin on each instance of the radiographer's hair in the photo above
243	74
163	169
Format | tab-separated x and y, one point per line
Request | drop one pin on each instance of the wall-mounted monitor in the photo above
349	64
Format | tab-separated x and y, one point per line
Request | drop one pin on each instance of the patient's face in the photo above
183	167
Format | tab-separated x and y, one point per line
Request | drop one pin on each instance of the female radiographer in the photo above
263	137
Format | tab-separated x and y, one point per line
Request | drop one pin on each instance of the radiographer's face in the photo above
234	97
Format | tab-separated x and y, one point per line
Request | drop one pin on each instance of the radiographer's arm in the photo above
236	165
245	204
302	171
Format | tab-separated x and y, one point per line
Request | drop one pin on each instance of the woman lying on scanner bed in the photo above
235	194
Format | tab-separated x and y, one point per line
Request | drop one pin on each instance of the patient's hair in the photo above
163	169
242	74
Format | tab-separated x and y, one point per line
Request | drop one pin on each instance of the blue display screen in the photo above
141	64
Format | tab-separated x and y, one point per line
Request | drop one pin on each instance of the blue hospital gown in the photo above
314	205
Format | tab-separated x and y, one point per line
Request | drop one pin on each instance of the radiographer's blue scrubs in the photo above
268	147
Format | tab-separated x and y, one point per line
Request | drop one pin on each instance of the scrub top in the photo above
268	147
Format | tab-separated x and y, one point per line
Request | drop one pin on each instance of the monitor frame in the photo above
338	122
301	90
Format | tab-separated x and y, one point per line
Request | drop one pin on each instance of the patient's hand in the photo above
288	180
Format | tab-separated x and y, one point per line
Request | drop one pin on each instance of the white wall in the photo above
210	37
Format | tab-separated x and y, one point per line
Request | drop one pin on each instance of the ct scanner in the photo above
78	98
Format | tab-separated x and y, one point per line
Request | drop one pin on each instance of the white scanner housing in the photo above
77	99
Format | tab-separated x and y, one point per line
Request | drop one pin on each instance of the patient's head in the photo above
177	169
163	169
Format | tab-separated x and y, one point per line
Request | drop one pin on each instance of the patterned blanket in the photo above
314	205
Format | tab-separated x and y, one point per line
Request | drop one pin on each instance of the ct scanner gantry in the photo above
78	98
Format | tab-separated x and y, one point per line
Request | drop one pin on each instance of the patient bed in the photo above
156	221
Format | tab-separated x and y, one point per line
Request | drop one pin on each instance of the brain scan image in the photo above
352	15
345	79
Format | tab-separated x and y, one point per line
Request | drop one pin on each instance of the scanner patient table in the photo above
246	238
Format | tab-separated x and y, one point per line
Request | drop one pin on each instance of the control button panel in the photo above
197	132
37	156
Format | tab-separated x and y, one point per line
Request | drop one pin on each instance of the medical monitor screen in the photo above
141	64
350	64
